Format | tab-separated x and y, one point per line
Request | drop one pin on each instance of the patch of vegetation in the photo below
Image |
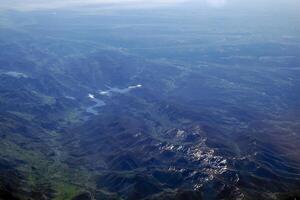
66	191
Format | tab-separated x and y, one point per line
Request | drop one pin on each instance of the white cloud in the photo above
91	96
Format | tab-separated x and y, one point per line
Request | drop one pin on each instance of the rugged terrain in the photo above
85	113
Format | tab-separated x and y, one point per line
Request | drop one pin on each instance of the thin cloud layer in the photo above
56	4
216	3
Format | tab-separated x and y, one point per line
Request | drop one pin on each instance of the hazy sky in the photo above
57	4
54	4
